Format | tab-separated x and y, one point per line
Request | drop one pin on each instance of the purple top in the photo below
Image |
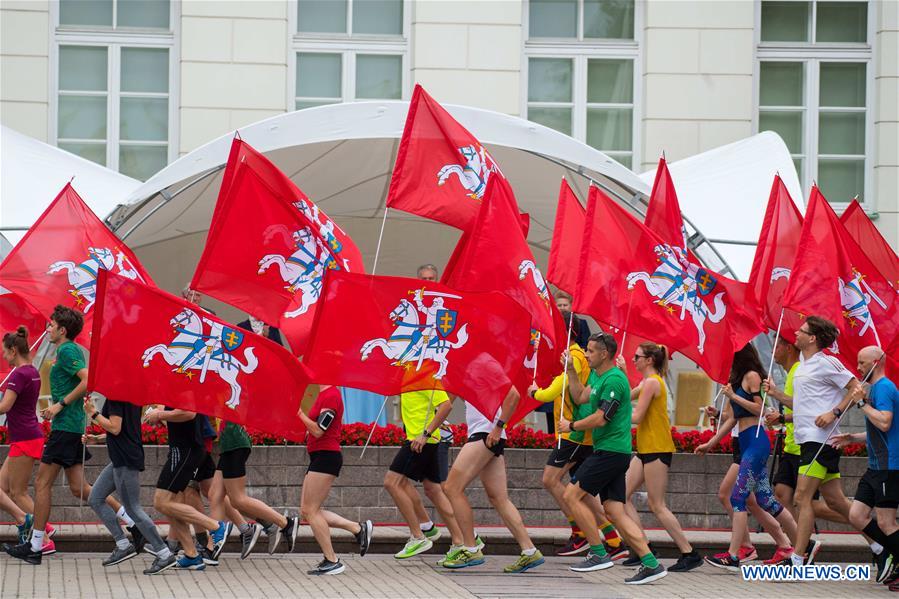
21	419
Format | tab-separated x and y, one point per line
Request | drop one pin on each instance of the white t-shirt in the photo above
478	423
818	387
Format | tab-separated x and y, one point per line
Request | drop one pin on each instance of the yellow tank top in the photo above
654	431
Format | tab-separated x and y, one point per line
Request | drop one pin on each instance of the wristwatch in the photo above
501	423
94	415
571	425
837	412
861	403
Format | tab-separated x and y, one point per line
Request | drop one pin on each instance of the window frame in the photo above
114	39
348	46
580	51
811	55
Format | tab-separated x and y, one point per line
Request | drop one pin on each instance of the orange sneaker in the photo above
49	547
780	554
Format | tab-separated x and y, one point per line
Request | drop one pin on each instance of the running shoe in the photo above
208	556
746	554
525	563
248	539
219	538
25	528
137	538
327	568
813	548
49	547
592	563
634	560
884	563
191	563
646	575
23	552
479	542
161	565
450	554
413	547
364	536
290	531
49	530
463	559
120	555
725	563
686	562
894	587
893	576
174	547
780	555
274	537
617	553
432	533
575	546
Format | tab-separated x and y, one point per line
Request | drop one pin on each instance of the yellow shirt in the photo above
414	408
553	393
654	431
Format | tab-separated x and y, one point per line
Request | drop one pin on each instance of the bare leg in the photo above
252	507
471	460
635	479
724	491
17	473
43	483
493	477
435	493
583	515
805	490
656	473
632	534
316	486
399	486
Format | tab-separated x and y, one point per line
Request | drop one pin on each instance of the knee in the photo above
95	501
860	520
453	489
549	481
885	521
432	490
571	494
657	505
160	504
307	512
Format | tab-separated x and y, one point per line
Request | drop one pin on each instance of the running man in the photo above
324	423
820	384
482	455
878	488
122	423
64	449
604	407
417	460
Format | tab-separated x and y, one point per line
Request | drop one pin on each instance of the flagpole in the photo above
770	366
565	381
30	350
627	322
719	410
374	268
373	425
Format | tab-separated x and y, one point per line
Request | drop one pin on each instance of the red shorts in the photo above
33	448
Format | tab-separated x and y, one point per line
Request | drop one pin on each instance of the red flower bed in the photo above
393	435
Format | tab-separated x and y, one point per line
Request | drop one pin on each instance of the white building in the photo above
134	84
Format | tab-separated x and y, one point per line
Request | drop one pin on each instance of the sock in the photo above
575	529
124	517
892	544
598	550
265	524
164	553
689	553
203	538
37	540
426	525
872	530
649	560
610	533
471	549
876	548
243	527
797	560
529	552
122	543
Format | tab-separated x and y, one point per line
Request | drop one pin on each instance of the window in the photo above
346	50
815	76
113	63
582	58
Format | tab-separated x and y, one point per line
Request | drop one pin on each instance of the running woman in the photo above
482	455
820	396
604	406
655	449
878	488
63	449
324	423
417	460
122	423
26	439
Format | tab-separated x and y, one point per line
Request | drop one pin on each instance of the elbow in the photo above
114	430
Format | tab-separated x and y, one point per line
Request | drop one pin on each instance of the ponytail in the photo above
17	341
659	356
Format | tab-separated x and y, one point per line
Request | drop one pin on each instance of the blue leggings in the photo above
753	476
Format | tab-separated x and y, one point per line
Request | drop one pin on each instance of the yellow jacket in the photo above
553	393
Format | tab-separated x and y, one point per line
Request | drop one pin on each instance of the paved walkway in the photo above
81	575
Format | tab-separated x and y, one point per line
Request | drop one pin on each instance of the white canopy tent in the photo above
32	173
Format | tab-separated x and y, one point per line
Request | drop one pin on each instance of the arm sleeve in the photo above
837	373
880	398
71	360
115	408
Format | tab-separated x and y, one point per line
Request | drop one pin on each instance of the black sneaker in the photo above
274	537
173	545
364	536
248	540
161	565
119	555
646	575
618	553
137	538
687	562
575	546
290	531
812	550
23	552
208	556
884	563
634	560
592	563
729	563
327	568
893	576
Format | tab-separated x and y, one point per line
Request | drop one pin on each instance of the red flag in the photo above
497	257
58	259
16	312
269	245
774	256
151	347
626	267
869	239
663	216
565	251
833	278
441	169
394	334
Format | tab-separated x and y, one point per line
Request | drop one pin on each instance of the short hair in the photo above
564	295
607	340
426	267
825	332
71	320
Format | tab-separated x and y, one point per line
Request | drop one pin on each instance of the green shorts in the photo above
825	468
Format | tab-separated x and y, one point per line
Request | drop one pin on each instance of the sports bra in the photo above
740	411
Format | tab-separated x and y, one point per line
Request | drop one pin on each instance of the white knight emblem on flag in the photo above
194	349
856	296
83	276
474	174
528	267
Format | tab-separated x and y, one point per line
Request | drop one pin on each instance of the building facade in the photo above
135	84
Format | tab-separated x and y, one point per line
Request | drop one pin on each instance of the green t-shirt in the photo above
233	436
790	445
64	378
414	407
611	386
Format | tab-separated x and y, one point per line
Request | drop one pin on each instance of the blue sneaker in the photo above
191	563
219	536
25	529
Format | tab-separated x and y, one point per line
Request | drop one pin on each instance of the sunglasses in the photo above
638	356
